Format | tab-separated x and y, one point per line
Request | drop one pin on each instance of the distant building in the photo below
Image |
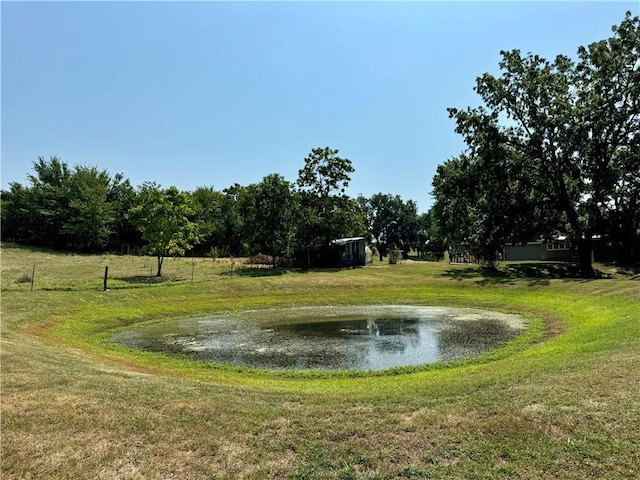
538	248
460	253
351	252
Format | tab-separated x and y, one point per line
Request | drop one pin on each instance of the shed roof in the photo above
344	241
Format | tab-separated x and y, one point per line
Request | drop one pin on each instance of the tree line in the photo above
88	210
553	149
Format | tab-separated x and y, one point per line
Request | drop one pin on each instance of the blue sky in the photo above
215	93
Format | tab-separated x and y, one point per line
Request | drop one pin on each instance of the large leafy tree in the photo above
535	96
208	213
90	216
548	114
430	240
483	202
121	197
452	191
269	216
80	208
233	220
390	221
51	191
20	215
326	212
607	135
164	219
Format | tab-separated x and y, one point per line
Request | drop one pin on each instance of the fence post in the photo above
106	273
33	276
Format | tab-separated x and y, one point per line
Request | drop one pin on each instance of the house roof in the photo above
344	241
539	240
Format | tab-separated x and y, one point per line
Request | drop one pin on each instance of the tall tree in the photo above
549	113
81	208
430	238
269	214
122	196
390	222
208	209
50	185
484	202
20	215
233	219
607	135
536	96
90	218
164	218
326	212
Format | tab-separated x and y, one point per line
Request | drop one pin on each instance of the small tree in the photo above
163	217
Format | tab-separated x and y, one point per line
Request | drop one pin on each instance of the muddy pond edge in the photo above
535	330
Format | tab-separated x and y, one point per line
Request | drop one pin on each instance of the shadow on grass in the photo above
428	258
275	272
631	273
254	272
144	279
536	273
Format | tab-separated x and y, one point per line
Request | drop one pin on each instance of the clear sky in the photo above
216	93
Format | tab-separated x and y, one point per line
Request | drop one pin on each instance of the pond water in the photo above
331	338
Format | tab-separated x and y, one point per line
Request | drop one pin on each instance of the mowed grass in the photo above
562	402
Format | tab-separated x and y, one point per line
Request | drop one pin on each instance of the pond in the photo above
331	338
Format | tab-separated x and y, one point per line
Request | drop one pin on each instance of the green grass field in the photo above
560	402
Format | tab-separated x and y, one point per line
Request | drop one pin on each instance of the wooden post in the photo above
33	276
106	273
193	266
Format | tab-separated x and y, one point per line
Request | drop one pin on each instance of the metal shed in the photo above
351	251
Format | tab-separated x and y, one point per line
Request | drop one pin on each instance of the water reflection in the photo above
336	338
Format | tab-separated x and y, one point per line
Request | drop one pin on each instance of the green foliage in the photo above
85	209
90	215
20	215
607	138
208	214
324	174
430	239
325	211
484	201
121	198
80	208
233	221
50	186
555	147
390	221
164	219
269	219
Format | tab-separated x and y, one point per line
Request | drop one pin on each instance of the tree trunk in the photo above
582	235
627	252
160	259
584	256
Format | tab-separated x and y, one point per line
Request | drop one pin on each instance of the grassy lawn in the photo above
561	402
